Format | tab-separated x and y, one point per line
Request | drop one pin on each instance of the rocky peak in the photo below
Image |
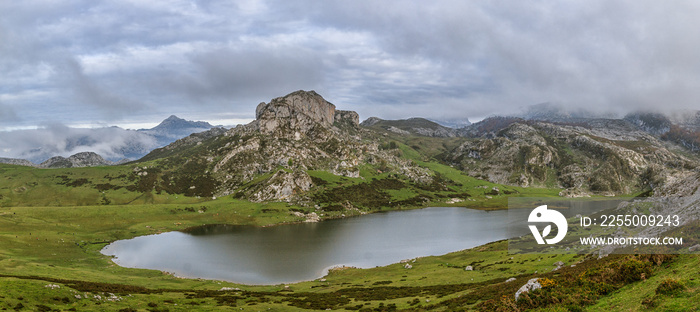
175	123
371	121
300	110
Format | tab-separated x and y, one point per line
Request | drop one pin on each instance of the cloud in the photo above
234	72
59	140
88	61
7	113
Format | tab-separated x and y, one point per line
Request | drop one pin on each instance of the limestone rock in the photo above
282	186
531	285
18	162
300	110
343	116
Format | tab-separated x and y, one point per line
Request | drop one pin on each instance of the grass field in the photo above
54	222
45	247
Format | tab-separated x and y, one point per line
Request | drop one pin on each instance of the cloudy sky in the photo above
133	63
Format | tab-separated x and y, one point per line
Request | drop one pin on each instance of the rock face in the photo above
599	156
300	111
282	185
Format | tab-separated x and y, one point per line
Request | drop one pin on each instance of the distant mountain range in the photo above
173	128
299	135
302	150
61	146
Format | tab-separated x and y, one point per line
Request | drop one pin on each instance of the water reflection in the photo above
296	252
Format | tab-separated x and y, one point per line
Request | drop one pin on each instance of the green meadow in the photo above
53	224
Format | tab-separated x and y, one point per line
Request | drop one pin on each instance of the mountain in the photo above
594	156
558	113
687	119
300	142
173	128
653	123
411	126
302	150
294	141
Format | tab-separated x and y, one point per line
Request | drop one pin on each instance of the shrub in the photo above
670	287
634	270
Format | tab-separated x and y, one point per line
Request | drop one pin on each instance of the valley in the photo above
302	160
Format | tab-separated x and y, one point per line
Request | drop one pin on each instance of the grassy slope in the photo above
27	187
643	295
63	243
61	236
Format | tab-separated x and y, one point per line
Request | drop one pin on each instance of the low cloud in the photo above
59	140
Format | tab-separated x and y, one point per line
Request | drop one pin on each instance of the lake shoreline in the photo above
396	232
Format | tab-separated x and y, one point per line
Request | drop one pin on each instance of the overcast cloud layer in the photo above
84	62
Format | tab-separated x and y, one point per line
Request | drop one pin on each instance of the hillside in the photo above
598	156
411	126
302	150
304	160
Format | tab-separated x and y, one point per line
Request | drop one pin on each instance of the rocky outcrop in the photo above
300	111
531	285
349	117
84	159
371	121
17	162
269	159
598	156
282	185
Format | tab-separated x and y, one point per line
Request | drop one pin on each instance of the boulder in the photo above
531	285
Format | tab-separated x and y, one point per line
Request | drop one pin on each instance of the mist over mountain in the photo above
111	143
558	112
452	122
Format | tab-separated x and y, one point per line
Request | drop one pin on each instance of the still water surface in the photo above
298	252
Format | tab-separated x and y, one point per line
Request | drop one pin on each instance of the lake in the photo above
299	252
